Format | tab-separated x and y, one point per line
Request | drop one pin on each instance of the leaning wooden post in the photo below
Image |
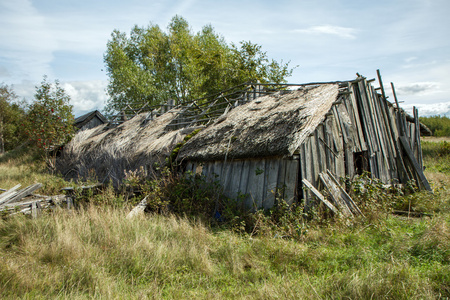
403	173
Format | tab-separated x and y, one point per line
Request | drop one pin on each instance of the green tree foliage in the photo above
152	66
11	119
439	126
50	117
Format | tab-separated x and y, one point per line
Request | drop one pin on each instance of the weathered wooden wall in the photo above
363	126
257	180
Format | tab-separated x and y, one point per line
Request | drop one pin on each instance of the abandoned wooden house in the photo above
260	144
272	144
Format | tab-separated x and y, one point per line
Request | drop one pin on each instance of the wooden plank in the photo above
281	181
225	178
291	180
255	184
419	144
335	194
9	194
320	196
270	182
244	180
346	197
414	163
339	143
323	162
216	170
382	137
332	155
314	159
357	123
307	161
235	179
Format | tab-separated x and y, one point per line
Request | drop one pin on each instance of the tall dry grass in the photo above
98	253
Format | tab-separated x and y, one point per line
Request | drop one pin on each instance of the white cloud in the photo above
86	95
342	32
417	88
432	109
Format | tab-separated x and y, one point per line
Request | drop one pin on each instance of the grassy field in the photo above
97	253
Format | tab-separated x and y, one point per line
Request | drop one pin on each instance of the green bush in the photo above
439	126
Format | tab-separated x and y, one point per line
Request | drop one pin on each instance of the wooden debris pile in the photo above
16	200
341	202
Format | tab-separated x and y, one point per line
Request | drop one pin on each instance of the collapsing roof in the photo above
273	125
108	152
270	143
342	129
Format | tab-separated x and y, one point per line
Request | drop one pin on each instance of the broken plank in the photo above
23	193
335	195
9	193
320	196
346	197
414	163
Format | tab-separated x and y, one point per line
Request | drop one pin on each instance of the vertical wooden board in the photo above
340	160
419	145
365	113
315	165
243	184
381	157
255	184
354	123
337	134
328	138
348	127
291	180
320	138
382	129
226	178
307	160
270	182
378	135
235	178
216	169
281	184
412	136
207	170
339	117
358	123
392	169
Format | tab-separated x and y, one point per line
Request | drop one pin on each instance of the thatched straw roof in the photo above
109	152
273	125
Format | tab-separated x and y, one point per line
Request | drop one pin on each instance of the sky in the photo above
329	40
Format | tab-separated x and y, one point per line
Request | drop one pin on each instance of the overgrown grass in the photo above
25	167
95	252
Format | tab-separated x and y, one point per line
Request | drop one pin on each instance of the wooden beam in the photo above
414	163
320	196
335	194
9	194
